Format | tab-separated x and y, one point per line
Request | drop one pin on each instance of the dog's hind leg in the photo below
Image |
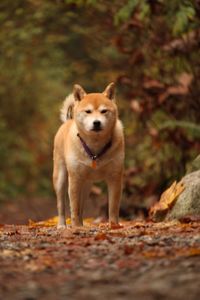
60	182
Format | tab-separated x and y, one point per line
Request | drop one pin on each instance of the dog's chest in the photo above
83	165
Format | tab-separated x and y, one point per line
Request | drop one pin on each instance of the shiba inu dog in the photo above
88	147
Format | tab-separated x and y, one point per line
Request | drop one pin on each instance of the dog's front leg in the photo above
115	192
74	190
84	196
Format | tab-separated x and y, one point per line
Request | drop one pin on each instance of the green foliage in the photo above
184	16
127	10
192	129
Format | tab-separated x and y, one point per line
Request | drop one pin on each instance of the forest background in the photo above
150	48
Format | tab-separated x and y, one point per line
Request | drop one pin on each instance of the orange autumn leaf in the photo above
101	236
54	221
115	225
47	223
88	221
168	198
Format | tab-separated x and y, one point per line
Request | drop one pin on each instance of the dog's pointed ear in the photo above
110	91
78	92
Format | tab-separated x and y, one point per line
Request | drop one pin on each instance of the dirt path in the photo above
142	260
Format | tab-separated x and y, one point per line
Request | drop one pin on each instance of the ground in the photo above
140	260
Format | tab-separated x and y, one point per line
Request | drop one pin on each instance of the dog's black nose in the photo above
97	125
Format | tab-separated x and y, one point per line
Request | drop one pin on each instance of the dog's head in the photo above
95	113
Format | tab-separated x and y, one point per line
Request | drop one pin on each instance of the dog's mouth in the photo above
96	129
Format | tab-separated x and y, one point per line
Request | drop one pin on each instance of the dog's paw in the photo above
115	225
61	226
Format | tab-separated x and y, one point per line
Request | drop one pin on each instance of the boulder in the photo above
188	203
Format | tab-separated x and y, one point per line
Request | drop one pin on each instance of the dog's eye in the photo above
88	111
103	111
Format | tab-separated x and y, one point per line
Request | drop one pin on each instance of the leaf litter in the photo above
37	260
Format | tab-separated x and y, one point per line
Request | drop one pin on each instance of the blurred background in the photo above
150	48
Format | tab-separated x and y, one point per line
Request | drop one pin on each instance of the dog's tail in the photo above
66	111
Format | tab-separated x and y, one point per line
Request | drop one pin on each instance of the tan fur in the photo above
72	164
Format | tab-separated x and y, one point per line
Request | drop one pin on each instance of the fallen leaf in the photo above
188	252
8	253
127	263
194	251
101	236
128	249
167	199
88	221
47	223
54	221
115	225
